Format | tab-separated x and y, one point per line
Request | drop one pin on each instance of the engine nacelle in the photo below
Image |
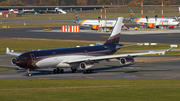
95	27
13	61
151	25
126	60
86	65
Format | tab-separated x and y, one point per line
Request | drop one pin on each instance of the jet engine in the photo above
86	65
13	61
95	27
126	60
151	25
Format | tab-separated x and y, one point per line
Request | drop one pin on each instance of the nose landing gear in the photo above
28	73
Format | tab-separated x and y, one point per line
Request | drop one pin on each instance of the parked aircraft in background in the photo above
77	57
152	21
94	23
56	10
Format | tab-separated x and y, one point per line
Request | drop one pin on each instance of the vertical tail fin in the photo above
76	15
131	14
115	34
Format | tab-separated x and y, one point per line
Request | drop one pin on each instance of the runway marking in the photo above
43	78
171	77
170	34
173	34
104	36
132	77
76	35
90	77
127	76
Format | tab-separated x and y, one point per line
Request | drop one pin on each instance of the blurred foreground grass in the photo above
96	90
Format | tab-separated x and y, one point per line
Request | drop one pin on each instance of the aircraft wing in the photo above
12	53
129	45
105	57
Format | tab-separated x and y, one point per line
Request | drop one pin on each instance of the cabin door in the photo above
32	57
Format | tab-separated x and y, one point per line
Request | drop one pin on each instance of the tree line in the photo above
84	2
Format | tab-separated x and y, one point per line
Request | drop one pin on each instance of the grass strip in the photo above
4	69
111	13
28	44
38	24
98	90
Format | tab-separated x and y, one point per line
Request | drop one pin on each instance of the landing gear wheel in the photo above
29	74
58	70
54	71
84	72
75	71
91	70
72	70
62	70
87	71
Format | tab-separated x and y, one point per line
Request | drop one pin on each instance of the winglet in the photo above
169	49
163	52
7	50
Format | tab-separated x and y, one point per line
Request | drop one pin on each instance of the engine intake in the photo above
126	60
13	61
86	65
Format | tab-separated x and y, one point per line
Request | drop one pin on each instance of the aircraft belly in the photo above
49	62
63	63
66	65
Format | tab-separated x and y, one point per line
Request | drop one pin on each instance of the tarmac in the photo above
169	37
103	70
126	32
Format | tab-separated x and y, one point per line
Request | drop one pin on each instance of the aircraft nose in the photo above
20	63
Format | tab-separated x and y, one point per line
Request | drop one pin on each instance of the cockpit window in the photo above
174	21
20	57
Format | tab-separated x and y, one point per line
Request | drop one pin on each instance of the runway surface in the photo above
103	70
155	37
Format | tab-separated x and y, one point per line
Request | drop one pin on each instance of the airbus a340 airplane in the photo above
77	57
94	23
152	21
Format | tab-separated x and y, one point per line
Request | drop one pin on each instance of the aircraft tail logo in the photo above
131	14
76	15
115	35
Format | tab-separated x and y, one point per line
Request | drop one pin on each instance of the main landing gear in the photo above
74	70
28	73
57	70
88	71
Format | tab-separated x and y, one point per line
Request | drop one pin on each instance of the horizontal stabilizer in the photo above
128	45
12	53
99	43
